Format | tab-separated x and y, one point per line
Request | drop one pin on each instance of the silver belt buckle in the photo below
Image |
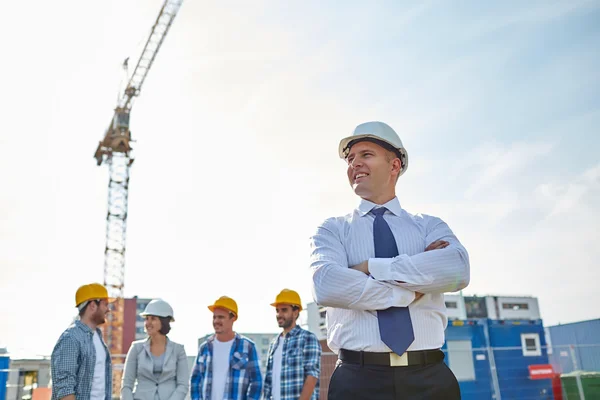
399	361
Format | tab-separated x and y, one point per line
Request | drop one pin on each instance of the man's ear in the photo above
397	165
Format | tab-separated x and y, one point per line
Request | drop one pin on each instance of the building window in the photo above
323	313
451	304
265	341
460	359
530	342
475	307
515	306
264	352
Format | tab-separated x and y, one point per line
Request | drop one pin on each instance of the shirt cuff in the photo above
381	268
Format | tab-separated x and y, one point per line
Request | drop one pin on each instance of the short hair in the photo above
165	325
85	305
383	144
296	308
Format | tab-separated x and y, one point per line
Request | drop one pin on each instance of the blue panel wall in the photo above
481	387
585	338
4	365
512	365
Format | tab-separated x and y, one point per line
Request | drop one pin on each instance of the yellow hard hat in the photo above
225	302
92	291
287	296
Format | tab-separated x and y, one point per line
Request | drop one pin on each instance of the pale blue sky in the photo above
237	130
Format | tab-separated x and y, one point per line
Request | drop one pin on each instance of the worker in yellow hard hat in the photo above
80	363
294	353
228	360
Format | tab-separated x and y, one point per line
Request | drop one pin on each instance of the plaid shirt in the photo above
72	363
244	381
301	357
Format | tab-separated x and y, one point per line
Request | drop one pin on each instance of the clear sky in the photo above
237	130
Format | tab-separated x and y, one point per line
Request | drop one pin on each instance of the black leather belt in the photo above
421	357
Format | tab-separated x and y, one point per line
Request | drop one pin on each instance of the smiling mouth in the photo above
360	176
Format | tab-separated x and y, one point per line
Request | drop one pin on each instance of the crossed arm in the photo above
380	283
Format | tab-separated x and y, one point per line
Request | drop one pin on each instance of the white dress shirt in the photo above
352	297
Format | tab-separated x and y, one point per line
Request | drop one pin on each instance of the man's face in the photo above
371	169
286	316
101	312
223	321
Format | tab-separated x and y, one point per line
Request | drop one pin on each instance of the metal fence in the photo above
484	373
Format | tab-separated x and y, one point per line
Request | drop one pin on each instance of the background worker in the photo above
80	362
294	360
227	366
156	366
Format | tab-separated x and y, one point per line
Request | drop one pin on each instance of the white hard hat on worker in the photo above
159	308
376	158
376	132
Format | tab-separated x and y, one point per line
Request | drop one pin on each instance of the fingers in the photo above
438	244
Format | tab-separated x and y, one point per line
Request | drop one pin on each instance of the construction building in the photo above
493	343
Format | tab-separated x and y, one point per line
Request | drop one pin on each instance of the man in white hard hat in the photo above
383	272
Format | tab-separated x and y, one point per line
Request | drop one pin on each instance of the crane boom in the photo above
157	36
115	150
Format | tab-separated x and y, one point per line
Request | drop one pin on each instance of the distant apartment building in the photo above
316	320
492	307
133	323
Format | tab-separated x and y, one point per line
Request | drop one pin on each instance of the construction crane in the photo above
115	151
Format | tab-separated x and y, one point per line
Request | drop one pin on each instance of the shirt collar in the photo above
366	206
83	327
295	330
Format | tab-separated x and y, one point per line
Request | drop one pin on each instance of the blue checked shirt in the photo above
72	363
301	358
244	380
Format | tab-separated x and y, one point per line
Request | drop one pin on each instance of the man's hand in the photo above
438	244
362	267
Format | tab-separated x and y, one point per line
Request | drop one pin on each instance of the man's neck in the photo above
380	199
288	330
92	325
225	337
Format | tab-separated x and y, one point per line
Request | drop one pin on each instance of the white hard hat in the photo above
379	131
158	308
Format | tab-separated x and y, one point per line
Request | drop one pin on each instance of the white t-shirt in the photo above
277	358
98	381
220	368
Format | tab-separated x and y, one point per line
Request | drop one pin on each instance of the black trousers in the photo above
374	382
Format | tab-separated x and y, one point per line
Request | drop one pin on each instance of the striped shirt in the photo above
352	297
244	380
301	357
72	363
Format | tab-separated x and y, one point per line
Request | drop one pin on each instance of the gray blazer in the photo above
173	382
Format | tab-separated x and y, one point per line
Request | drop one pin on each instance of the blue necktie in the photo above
395	325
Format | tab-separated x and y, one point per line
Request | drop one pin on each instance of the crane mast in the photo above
114	150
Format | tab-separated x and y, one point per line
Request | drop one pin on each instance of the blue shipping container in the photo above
468	346
4	365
